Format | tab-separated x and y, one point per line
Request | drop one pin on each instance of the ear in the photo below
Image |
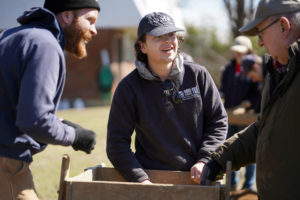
143	47
67	17
285	26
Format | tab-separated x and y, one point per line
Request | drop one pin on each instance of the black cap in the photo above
57	6
157	24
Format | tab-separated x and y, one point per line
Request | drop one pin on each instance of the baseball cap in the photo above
247	62
241	44
267	8
157	24
57	6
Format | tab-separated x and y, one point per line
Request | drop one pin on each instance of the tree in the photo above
239	12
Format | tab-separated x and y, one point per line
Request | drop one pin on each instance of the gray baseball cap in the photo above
157	24
241	44
267	8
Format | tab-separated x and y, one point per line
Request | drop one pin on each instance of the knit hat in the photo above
57	6
267	8
157	24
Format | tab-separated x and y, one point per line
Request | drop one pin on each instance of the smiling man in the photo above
273	141
32	77
173	105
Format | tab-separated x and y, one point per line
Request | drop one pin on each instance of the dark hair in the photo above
143	57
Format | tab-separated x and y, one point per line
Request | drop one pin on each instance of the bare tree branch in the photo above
238	13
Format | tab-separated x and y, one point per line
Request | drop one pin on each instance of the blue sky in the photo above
205	12
208	13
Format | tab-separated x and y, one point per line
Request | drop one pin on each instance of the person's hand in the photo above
196	172
146	182
242	108
85	139
239	111
211	172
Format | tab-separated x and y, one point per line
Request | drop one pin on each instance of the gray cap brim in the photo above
162	30
239	48
250	28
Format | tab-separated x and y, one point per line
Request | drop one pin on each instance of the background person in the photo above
32	77
238	91
173	106
253	70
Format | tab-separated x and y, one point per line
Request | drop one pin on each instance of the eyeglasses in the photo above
259	32
170	90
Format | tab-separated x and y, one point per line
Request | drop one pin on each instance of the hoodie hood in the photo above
41	17
144	71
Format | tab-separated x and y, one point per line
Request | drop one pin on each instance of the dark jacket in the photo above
32	77
236	88
273	141
169	135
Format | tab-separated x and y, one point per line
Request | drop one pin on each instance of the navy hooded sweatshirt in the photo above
32	77
169	135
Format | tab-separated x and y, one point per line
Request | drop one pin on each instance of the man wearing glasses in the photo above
173	106
273	141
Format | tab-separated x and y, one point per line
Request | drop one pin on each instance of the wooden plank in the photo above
104	190
241	119
228	180
85	176
156	176
107	184
64	174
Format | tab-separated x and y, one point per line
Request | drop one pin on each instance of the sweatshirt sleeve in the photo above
121	124
214	120
239	149
42	66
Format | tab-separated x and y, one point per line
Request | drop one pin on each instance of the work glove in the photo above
85	139
212	171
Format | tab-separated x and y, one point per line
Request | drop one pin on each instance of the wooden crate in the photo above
107	184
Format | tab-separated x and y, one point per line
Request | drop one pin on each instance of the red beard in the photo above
76	39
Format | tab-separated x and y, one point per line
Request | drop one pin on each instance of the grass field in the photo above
47	164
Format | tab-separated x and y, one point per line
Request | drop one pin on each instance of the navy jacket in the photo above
234	87
32	77
237	88
169	135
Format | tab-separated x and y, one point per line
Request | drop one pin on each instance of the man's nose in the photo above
94	30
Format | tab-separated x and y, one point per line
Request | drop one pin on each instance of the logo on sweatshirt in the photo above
189	93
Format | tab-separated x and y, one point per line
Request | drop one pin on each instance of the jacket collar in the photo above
294	58
144	71
294	49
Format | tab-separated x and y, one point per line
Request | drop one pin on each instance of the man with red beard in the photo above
32	77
